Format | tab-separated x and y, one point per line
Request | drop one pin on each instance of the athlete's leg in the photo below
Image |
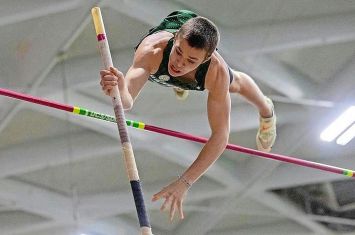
245	85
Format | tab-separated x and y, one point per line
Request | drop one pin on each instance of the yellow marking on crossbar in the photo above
76	110
141	125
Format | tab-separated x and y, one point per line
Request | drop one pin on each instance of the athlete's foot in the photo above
265	138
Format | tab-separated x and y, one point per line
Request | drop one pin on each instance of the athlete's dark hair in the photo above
200	33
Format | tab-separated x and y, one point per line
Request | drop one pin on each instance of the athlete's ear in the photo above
176	34
208	57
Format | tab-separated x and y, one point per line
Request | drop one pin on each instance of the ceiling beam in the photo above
290	34
290	211
38	11
36	200
35	155
273	74
341	86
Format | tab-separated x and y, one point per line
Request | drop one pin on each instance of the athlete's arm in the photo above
218	106
145	60
218	110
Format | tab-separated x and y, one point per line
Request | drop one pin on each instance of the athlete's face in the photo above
184	58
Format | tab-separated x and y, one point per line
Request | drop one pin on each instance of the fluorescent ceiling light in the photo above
339	125
347	136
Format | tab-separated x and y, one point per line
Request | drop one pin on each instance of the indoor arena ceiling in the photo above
62	174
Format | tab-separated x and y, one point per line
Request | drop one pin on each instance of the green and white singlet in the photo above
172	23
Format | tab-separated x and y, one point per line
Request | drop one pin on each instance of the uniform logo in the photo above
164	78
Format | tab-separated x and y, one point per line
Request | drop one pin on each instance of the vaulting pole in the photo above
128	155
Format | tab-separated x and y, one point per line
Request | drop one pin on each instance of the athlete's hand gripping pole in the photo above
122	128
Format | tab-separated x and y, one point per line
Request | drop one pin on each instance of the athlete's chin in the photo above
174	74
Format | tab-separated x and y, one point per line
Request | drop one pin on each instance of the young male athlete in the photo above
181	53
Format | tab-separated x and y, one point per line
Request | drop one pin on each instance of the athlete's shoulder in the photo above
217	75
154	43
150	51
